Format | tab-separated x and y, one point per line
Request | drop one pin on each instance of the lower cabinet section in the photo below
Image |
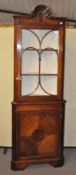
37	135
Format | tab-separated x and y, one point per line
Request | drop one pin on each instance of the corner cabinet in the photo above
38	106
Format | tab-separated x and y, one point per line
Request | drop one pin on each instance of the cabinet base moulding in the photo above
22	164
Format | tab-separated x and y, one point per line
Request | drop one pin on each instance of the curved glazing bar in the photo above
30	39
52	61
50	40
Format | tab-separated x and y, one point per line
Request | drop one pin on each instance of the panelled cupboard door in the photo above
38	106
44	131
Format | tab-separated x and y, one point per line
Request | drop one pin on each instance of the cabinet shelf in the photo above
36	74
39	50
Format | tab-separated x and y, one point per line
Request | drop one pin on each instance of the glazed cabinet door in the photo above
39	63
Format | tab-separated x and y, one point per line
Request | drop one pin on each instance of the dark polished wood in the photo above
37	121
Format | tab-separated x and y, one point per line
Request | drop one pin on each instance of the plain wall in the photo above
6	83
70	88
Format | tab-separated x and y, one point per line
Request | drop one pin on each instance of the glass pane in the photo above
28	84
50	40
49	62
32	38
40	33
49	83
30	63
39	91
39	39
29	39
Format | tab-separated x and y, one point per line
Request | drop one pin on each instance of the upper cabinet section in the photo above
39	51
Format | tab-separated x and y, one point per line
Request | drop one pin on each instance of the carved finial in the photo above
42	11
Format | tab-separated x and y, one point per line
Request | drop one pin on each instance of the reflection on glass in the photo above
49	62
50	40
49	84
39	91
35	38
29	84
30	63
29	39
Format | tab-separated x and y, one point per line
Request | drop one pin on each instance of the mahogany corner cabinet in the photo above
38	105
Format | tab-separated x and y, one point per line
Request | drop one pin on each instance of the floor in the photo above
69	167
